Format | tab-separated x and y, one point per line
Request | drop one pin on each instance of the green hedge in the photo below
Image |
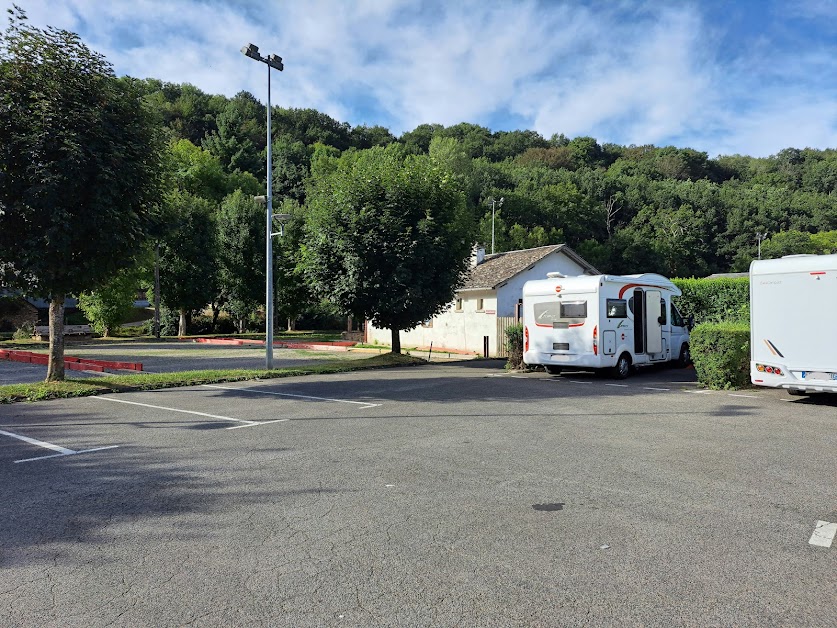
721	354
714	300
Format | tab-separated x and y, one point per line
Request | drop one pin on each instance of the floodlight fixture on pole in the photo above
493	202
272	62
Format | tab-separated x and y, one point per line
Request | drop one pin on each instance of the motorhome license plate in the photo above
818	375
560	346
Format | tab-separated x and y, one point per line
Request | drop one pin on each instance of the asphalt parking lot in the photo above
443	495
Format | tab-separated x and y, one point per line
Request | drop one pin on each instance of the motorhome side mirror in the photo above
690	323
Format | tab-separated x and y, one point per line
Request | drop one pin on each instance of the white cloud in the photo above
627	72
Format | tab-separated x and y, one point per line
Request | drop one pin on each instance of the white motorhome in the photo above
793	323
602	322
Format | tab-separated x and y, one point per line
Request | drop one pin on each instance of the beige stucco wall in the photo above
461	330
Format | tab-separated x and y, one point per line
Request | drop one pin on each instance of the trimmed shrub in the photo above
714	300
514	346
721	354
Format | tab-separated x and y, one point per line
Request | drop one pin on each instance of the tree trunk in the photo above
396	341
241	327
181	328
107	332
216	311
291	323
55	367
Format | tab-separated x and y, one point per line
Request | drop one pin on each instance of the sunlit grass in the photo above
151	381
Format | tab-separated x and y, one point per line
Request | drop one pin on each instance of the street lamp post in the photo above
492	201
760	237
274	62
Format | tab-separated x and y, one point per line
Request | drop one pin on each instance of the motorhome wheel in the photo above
685	358
623	367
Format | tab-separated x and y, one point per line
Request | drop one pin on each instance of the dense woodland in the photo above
624	208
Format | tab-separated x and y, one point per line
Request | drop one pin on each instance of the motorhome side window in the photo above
663	312
574	309
617	308
676	318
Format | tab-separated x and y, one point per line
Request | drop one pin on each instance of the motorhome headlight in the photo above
767	368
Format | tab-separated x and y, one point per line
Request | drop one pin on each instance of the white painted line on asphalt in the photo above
72	453
518	377
649	388
747	396
363	404
618	385
699	392
62	451
823	534
148	405
254	423
575	381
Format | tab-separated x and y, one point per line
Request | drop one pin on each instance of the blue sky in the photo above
719	76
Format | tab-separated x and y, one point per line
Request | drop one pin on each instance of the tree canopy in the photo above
388	237
80	168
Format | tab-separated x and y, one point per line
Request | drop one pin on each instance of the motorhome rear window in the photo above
547	313
617	308
574	309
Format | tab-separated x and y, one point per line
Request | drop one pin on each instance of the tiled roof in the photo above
501	267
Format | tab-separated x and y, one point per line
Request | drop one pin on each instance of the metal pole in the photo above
157	291
269	245
492	226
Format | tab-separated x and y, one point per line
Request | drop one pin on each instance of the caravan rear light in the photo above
760	368
596	340
525	338
766	368
769	369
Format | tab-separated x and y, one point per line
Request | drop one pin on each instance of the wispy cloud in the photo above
634	71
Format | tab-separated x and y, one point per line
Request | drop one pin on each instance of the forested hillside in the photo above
625	208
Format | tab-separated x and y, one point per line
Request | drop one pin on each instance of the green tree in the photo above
241	255
241	138
109	306
388	238
80	167
787	243
188	259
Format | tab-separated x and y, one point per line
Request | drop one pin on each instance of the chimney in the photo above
477	255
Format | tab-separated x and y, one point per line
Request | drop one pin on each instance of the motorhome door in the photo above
654	318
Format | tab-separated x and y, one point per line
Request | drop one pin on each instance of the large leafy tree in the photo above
241	255
188	260
79	169
388	237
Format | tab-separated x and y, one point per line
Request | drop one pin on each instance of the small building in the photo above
488	302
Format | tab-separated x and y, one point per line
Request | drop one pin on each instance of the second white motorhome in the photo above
793	323
602	322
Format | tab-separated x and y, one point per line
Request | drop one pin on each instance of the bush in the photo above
24	332
514	346
714	300
721	354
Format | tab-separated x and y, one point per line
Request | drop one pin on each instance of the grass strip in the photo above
43	391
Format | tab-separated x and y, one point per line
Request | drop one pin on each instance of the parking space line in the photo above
253	423
148	405
747	396
62	451
618	385
363	404
649	388
824	533
575	381
70	453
